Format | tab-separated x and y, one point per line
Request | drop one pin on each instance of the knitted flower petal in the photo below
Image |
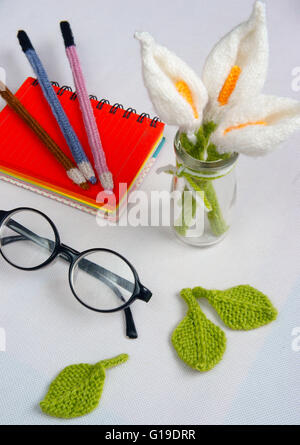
236	68
257	126
176	92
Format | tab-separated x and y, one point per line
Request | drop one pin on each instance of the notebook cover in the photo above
112	216
129	143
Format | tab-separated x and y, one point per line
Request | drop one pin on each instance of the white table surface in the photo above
46	329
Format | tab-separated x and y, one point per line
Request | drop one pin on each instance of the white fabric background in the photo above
46	329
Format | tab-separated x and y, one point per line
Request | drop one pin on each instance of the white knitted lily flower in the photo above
234	74
237	66
176	92
255	127
233	77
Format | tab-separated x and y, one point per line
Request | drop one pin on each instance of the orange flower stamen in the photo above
229	85
238	127
186	93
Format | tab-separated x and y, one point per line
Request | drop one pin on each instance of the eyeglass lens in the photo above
102	280
27	248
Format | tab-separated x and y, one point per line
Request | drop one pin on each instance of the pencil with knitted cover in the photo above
89	120
72	171
77	151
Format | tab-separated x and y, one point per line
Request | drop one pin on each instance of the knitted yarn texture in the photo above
199	342
241	307
77	390
229	92
57	109
72	171
90	124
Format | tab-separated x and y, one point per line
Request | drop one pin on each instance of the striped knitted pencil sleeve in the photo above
90	124
57	110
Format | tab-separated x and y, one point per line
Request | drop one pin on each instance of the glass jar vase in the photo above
203	196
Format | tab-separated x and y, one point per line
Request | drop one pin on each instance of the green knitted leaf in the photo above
77	390
240	307
197	341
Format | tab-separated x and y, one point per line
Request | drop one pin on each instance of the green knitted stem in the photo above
184	219
200	292
111	362
189	298
203	149
217	223
198	189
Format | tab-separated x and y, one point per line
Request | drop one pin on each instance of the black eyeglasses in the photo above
100	279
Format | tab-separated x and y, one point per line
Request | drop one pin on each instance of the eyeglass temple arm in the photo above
131	331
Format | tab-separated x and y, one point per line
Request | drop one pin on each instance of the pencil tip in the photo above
106	180
84	185
93	180
67	33
24	41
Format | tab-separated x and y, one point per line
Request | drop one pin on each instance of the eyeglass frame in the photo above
140	292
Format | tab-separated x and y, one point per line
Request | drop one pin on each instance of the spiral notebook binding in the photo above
127	113
101	103
113	109
142	116
62	89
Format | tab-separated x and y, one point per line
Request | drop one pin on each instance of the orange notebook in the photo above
131	143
